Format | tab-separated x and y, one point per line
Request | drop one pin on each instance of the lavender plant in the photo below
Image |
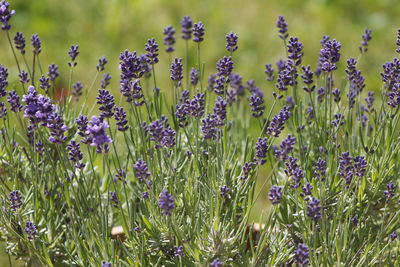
179	178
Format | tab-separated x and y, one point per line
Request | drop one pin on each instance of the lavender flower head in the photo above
194	76
278	121
295	48
73	53
106	102
261	150
120	117
220	111
53	72
14	101
5	15
166	203
15	199
257	103
389	193
398	41
225	66
301	255
3	80
178	251
97	133
282	26
105	263
106	80
19	41
57	128
269	71
231	42
23	77
30	230
366	38
169	39
152	49
141	170
224	192
114	199
198	32
216	263
314	209
102	62
37	44
77	90
186	24
209	126
329	55
176	71
75	154
275	194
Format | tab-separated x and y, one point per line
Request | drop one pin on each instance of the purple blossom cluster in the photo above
166	203
5	15
293	170
314	209
169	38
161	133
275	194
96	134
301	255
231	42
75	154
278	121
16	200
141	170
285	148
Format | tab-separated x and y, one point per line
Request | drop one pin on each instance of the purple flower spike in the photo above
197	105
75	154
3	111
257	103
224	192
398	41
308	79
194	76
106	102
186	24
114	199
275	194
5	15
23	77
73	53
15	199
19	41
37	44
152	49
220	111
366	38
389	193
329	55
105	263
102	62
14	101
198	32
53	72
282	26
169	39
231	42
295	48
77	92
225	66
209	126
57	128
261	150
97	133
269	71
176	71
106	80
320	170
178	251
166	203
314	209
3	80
30	230
278	121
120	117
141	170
301	255
45	83
216	263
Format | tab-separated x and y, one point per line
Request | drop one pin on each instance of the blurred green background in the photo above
107	27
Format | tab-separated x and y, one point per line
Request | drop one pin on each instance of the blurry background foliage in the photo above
107	27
